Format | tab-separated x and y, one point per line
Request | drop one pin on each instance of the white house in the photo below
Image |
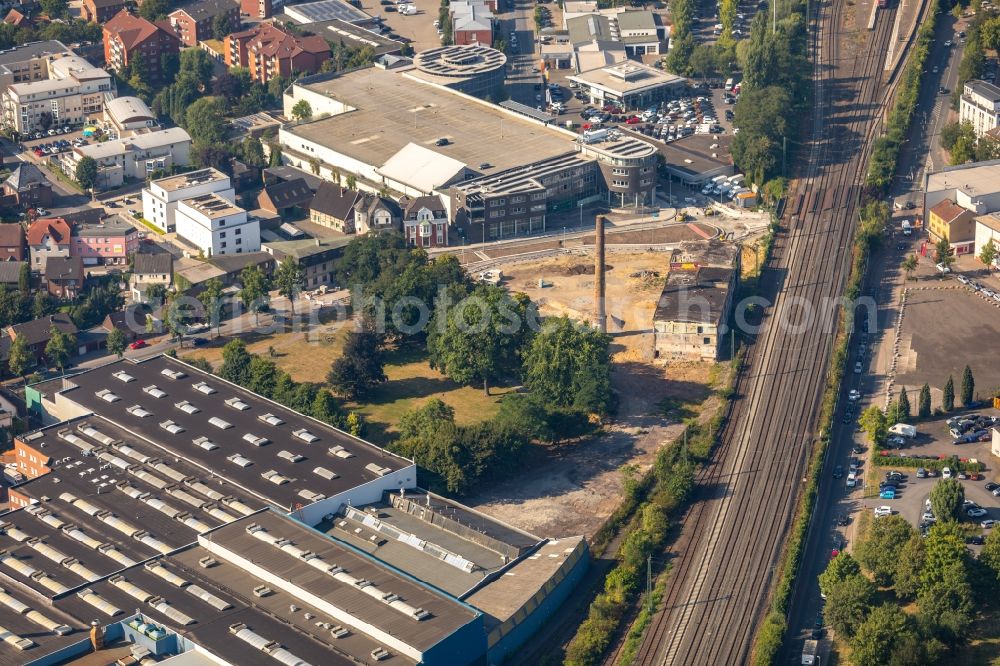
160	198
980	105
988	229
133	158
73	91
216	226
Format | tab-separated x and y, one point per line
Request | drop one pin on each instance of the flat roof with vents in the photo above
296	433
190	179
211	205
628	78
460	61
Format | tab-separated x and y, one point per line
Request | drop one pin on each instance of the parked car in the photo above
921	473
946	473
838	472
890	493
943	268
988	523
138	344
883	511
853	395
976	512
992	486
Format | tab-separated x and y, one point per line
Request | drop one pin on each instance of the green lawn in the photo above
412	383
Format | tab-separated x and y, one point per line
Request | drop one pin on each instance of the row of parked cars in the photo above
975	286
52	131
56	147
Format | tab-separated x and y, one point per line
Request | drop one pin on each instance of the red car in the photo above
138	344
634	120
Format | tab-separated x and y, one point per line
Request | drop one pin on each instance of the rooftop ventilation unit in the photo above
205	443
186	407
131	589
339	632
340	452
270	419
310	495
98	602
291	457
204	388
275	478
306	436
207	562
107	396
171	427
262	591
97	435
378	654
154	391
327	474
255	440
123	376
239	460
220	423
137	410
236	403
209	598
173	374
378	469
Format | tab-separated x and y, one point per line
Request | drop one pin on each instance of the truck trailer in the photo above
810	653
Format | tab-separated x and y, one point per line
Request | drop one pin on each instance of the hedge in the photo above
954	462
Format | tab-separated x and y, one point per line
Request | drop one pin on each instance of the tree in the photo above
20	359
948	397
254	294
947	605
289	278
236	362
222	26
274	159
24	280
204	119
116	342
878	553
703	61
840	568
909	265
86	172
909	567
253	152
924	408
42	305
847	604
352	182
947	496
179	315
302	110
198	65
942	250
479	339
211	299
968	387
151	10
360	367
60	347
570	365
156	292
875	424
903	406
55	8
874	642
988	255
990	555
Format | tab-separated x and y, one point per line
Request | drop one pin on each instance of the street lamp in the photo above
579	204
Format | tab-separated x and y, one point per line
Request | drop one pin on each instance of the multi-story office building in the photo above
133	158
160	197
217	226
72	91
980	105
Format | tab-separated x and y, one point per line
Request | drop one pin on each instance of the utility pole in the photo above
649	583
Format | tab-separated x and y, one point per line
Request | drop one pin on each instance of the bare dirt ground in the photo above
574	488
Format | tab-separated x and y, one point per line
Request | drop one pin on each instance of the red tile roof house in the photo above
12	245
194	21
126	34
48	238
268	51
101	11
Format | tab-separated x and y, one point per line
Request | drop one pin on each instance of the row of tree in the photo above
959	139
937	572
876	423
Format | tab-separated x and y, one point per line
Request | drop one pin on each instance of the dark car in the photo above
197	342
442	142
838	472
992	486
975	540
817	631
842	520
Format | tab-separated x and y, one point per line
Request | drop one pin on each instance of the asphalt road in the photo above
731	540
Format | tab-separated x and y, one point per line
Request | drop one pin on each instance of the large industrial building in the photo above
170	511
394	129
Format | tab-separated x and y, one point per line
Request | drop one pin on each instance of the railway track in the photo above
733	536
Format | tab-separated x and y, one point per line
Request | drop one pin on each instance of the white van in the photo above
737	179
852	480
907	228
729	85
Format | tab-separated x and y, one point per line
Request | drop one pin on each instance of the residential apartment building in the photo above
28	62
36	334
268	52
72	91
133	158
150	269
48	238
980	105
425	221
948	221
64	277
693	311
217	226
101	11
28	187
194	21
127	35
315	256
261	9
111	242
161	196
